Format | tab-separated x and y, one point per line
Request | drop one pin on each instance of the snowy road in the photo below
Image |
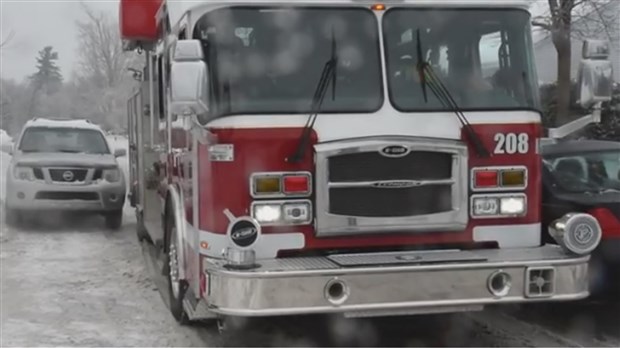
71	282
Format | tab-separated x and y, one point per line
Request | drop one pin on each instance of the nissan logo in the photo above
68	175
396	184
394	151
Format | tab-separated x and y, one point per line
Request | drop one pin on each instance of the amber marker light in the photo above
378	7
513	178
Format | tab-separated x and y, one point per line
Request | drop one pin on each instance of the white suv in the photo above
64	165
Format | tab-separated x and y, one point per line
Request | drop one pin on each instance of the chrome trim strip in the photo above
337	225
388	183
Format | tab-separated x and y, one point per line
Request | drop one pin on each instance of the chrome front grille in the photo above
68	174
361	189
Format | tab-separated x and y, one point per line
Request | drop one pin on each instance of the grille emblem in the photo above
68	175
396	184
395	151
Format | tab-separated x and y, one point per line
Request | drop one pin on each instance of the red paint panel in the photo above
530	159
609	223
137	19
226	184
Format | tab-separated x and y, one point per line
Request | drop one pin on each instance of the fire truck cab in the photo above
347	156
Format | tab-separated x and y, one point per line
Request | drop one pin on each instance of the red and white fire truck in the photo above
347	156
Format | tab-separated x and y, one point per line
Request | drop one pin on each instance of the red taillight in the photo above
610	225
296	184
486	178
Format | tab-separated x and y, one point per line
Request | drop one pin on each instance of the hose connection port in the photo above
336	291
499	283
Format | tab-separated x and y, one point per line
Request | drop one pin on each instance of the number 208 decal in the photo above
511	143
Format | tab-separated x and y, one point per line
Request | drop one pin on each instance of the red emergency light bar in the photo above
138	19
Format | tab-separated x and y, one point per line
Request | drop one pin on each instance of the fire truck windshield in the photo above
270	60
482	56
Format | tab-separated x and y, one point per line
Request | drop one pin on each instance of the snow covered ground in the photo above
73	283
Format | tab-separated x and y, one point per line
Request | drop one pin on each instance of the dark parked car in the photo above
584	175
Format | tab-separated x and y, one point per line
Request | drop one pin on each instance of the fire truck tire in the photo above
114	220
141	232
170	262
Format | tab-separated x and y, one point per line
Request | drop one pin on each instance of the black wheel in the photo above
141	232
13	217
114	220
176	287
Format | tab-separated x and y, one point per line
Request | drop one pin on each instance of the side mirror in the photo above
120	153
189	80
595	73
7	148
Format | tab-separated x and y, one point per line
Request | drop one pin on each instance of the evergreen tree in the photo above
48	77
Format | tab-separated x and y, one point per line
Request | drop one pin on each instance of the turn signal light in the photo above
280	184
512	178
267	184
378	7
499	178
296	184
485	179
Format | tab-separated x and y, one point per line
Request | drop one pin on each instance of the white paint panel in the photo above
331	127
509	236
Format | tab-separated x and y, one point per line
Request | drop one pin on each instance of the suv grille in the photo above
360	188
62	175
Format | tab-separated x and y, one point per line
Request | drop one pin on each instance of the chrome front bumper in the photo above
305	285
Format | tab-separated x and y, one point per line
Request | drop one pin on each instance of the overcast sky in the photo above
39	23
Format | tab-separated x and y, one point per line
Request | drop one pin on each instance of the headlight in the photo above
498	206
512	205
112	175
282	212
23	173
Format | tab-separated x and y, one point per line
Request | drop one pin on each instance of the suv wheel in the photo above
13	217
114	220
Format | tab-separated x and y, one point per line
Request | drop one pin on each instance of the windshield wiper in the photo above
443	95
328	73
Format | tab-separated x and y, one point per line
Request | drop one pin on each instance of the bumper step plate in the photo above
405	258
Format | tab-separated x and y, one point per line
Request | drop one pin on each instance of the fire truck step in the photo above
405	258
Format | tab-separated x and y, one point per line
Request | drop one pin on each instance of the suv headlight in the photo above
23	173
112	175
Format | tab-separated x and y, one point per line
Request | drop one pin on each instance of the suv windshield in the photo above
590	172
72	140
270	60
482	56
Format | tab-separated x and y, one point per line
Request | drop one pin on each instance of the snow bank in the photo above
5	158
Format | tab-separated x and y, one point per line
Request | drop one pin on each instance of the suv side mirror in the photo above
7	148
189	80
120	153
595	73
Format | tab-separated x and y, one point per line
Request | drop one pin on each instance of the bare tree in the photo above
101	54
8	39
102	76
561	22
